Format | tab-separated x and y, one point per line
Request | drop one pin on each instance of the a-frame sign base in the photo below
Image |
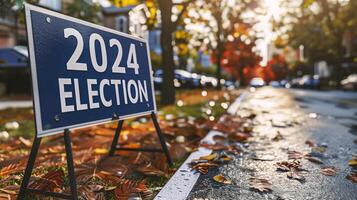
71	175
114	147
30	164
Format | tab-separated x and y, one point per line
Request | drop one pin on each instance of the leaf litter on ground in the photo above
260	184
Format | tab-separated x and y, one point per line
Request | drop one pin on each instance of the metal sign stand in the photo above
114	147
30	164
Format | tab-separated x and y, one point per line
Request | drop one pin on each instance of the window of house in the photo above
122	24
52	4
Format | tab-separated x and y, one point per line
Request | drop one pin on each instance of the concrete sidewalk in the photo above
277	110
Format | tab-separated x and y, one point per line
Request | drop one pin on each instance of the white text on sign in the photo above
126	91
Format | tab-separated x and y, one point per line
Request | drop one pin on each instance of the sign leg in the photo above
29	168
72	177
162	139
116	138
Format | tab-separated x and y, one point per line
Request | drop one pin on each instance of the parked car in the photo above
274	84
14	71
349	83
311	82
257	82
182	79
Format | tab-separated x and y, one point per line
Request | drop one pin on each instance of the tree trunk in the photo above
241	76
168	65
219	52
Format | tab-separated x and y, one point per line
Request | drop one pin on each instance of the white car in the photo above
257	82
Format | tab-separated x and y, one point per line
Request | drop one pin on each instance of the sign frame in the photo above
40	132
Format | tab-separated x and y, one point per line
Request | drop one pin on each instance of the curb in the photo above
181	183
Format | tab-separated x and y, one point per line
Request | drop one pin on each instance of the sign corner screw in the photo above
48	20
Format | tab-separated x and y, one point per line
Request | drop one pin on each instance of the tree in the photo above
320	25
81	9
168	26
224	13
238	52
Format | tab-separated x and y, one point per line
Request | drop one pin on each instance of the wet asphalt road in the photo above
328	118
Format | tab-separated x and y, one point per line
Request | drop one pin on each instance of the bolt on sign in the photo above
84	74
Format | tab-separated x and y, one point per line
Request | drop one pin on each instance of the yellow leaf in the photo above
225	158
352	162
209	157
100	151
221	179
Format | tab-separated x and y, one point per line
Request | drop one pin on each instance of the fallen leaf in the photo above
101	151
295	155
318	149
289	165
314	159
352	162
128	187
225	158
221	179
203	167
352	177
25	141
219	139
328	171
262	185
263	157
151	171
295	175
278	137
209	157
310	143
239	137
52	181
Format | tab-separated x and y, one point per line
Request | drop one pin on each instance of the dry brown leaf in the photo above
260	184
239	137
25	141
203	167
150	171
313	159
310	143
352	177
328	171
295	155
221	179
12	168
128	187
51	181
289	165
295	175
278	137
178	151
219	139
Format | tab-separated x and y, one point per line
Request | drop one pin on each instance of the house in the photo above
132	19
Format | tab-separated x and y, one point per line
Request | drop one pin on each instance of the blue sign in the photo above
84	74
